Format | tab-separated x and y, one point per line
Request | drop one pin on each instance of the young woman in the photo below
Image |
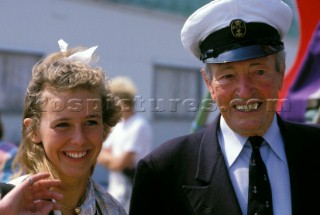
68	113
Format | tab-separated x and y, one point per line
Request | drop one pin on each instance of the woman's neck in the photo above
74	194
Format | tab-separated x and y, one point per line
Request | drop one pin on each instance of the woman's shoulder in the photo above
107	203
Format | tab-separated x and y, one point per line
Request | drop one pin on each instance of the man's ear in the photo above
208	83
35	137
281	76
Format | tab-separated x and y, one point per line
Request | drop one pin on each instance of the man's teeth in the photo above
247	108
76	154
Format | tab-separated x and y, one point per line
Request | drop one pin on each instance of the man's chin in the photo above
249	128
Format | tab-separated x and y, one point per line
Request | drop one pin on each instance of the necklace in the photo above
76	210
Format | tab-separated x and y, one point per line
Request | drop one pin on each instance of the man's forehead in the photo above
251	62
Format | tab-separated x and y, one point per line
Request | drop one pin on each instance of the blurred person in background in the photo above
129	141
8	152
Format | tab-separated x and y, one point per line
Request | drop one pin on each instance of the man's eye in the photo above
225	79
229	76
260	72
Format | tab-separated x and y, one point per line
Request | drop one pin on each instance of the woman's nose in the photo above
78	136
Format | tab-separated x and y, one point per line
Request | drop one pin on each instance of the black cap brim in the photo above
245	53
240	41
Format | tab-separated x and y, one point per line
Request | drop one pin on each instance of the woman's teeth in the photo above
76	154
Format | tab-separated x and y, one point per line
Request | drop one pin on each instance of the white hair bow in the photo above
83	56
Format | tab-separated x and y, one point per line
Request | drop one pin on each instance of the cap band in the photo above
239	35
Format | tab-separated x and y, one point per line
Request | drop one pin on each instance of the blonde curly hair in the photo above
58	73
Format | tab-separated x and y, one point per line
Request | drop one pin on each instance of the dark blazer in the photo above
188	175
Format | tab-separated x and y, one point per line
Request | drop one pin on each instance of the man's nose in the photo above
245	87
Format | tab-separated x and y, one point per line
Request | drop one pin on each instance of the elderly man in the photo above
248	160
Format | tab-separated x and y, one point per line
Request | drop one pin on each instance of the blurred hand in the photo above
32	197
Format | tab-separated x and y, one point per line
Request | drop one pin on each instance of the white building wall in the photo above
131	41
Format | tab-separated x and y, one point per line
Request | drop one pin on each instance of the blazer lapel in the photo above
292	150
217	195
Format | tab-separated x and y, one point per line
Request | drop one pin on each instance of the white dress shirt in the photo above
237	153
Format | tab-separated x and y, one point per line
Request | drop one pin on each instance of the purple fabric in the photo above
306	82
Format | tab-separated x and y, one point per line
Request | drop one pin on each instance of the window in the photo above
177	92
14	78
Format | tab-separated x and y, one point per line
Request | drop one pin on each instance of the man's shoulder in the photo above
175	154
309	134
179	145
301	127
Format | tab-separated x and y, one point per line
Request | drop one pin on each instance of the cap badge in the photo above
238	28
